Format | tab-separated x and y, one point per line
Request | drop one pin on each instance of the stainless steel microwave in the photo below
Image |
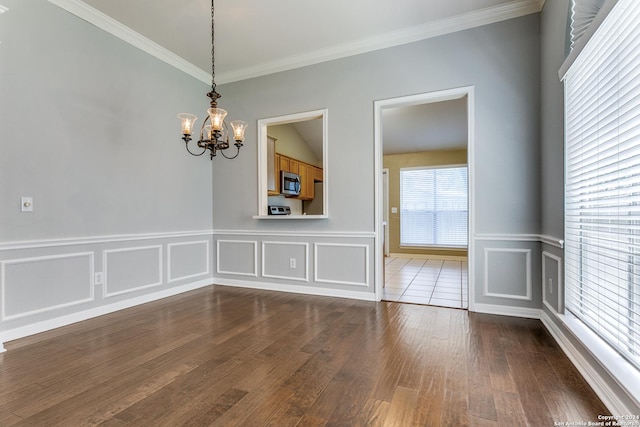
290	185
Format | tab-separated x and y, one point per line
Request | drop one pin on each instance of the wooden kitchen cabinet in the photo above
310	188
318	174
304	177
285	164
294	166
309	174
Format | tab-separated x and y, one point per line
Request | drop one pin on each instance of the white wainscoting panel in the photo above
508	266
276	258
26	283
187	260
238	257
341	263
131	269
552	282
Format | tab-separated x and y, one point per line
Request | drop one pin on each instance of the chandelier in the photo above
214	133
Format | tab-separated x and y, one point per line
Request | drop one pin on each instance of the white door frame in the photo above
405	101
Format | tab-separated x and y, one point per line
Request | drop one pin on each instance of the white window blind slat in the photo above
602	191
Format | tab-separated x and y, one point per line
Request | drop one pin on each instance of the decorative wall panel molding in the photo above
343	264
552	290
131	269
549	240
28	285
238	257
510	266
51	243
277	258
187	260
302	234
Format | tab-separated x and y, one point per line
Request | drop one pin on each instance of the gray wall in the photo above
88	129
501	61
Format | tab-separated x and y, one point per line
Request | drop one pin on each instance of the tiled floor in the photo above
426	281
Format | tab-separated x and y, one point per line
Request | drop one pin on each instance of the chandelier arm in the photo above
186	145
227	157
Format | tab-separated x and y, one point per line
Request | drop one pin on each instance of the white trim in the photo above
105	270
556	258
289	217
238	273
513	237
46	325
126	34
423	98
296	289
306	261
428	30
627	377
302	234
504	310
49	243
262	162
190	276
424	256
529	281
3	263
341	282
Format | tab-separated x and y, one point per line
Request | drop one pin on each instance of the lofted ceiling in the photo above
258	37
255	38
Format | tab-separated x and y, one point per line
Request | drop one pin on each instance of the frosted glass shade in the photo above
217	116
206	132
238	127
186	122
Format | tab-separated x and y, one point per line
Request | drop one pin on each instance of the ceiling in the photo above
425	127
254	38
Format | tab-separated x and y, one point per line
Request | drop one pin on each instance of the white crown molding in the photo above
465	21
428	30
110	25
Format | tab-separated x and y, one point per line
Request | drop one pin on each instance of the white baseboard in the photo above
43	326
423	256
296	289
608	396
529	313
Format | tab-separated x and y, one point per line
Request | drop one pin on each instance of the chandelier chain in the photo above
213	49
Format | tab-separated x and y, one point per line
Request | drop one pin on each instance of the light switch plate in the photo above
26	204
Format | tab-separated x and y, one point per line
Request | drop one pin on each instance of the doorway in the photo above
403	134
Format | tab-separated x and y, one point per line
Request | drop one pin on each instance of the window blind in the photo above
583	12
602	182
433	207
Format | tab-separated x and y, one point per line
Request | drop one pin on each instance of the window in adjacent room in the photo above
602	192
433	206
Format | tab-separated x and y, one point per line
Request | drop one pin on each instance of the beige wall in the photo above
290	143
394	163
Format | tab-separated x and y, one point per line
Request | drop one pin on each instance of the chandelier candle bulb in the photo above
187	121
238	127
217	116
206	132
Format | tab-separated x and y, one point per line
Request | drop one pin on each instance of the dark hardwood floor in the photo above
230	356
